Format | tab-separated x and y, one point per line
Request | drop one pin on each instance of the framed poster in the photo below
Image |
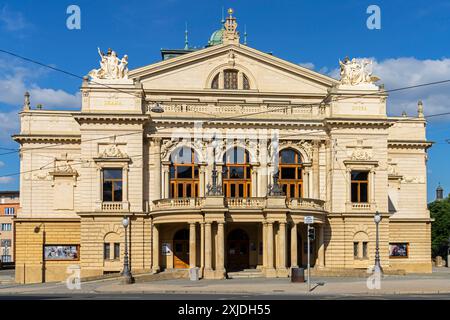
61	252
398	250
166	249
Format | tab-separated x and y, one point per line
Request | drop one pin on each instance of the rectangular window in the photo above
112	185
9	211
6	243
355	249
116	251
106	251
364	248
6	258
6	226
359	186
398	250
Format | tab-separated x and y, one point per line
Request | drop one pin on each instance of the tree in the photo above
440	228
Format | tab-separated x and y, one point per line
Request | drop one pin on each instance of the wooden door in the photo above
181	254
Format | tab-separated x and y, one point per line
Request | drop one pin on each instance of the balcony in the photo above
250	203
359	206
112	206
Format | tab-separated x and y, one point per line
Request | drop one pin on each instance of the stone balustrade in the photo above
112	206
237	203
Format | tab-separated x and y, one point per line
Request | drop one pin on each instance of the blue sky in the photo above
411	47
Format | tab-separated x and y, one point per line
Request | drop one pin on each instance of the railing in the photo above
112	206
361	206
272	109
305	203
179	203
245	203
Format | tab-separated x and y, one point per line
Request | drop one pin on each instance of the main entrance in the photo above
237	250
181	249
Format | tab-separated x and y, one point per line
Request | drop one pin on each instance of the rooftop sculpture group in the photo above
110	66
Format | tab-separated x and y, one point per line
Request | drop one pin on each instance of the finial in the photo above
420	109
230	12
26	101
245	34
186	41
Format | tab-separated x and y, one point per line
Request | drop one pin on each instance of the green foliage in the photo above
440	228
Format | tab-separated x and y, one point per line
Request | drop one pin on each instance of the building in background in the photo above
9	205
192	149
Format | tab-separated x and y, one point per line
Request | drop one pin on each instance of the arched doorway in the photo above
181	249
237	250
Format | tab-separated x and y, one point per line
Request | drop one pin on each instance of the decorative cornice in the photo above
357	122
410	144
106	117
21	138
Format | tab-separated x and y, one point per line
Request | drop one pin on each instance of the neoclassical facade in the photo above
216	155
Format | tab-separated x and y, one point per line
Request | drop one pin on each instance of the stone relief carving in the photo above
62	166
354	72
167	146
112	151
413	179
360	153
110	66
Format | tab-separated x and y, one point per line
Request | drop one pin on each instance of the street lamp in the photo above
127	277
377	268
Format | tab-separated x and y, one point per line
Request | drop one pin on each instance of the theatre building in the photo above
217	155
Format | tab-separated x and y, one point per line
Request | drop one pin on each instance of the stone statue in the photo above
354	72
110	66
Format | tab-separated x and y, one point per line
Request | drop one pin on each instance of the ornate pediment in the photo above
112	151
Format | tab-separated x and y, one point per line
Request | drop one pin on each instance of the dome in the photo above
216	37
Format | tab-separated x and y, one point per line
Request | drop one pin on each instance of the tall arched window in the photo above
215	82
290	173
236	174
246	83
230	79
184	174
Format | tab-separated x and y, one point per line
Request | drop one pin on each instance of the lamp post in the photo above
127	277
377	267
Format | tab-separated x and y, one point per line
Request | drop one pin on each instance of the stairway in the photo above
245	274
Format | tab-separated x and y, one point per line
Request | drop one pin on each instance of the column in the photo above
264	227
269	235
282	246
254	184
321	247
294	258
208	246
155	239
306	174
315	170
220	263
202	183
166	186
202	246
155	167
192	245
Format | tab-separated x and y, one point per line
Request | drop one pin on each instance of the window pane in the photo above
354	192
117	191
172	190
248	173
189	191
172	172
359	175
365	249
287	173
241	190
181	155
363	196
292	191
180	191
287	156
215	82
233	190
230	79
195	172
246	83
112	174
237	173
106	251
299	173
107	191
355	249
184	172
116	250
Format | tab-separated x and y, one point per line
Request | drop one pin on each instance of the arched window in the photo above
246	83
290	173
230	79
236	174
184	174
215	82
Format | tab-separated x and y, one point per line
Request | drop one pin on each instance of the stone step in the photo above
246	273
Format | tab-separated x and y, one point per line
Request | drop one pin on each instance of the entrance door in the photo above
237	250
181	249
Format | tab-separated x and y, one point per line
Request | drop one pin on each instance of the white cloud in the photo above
12	20
307	65
408	71
4	180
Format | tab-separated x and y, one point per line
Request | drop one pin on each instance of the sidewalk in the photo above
436	283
